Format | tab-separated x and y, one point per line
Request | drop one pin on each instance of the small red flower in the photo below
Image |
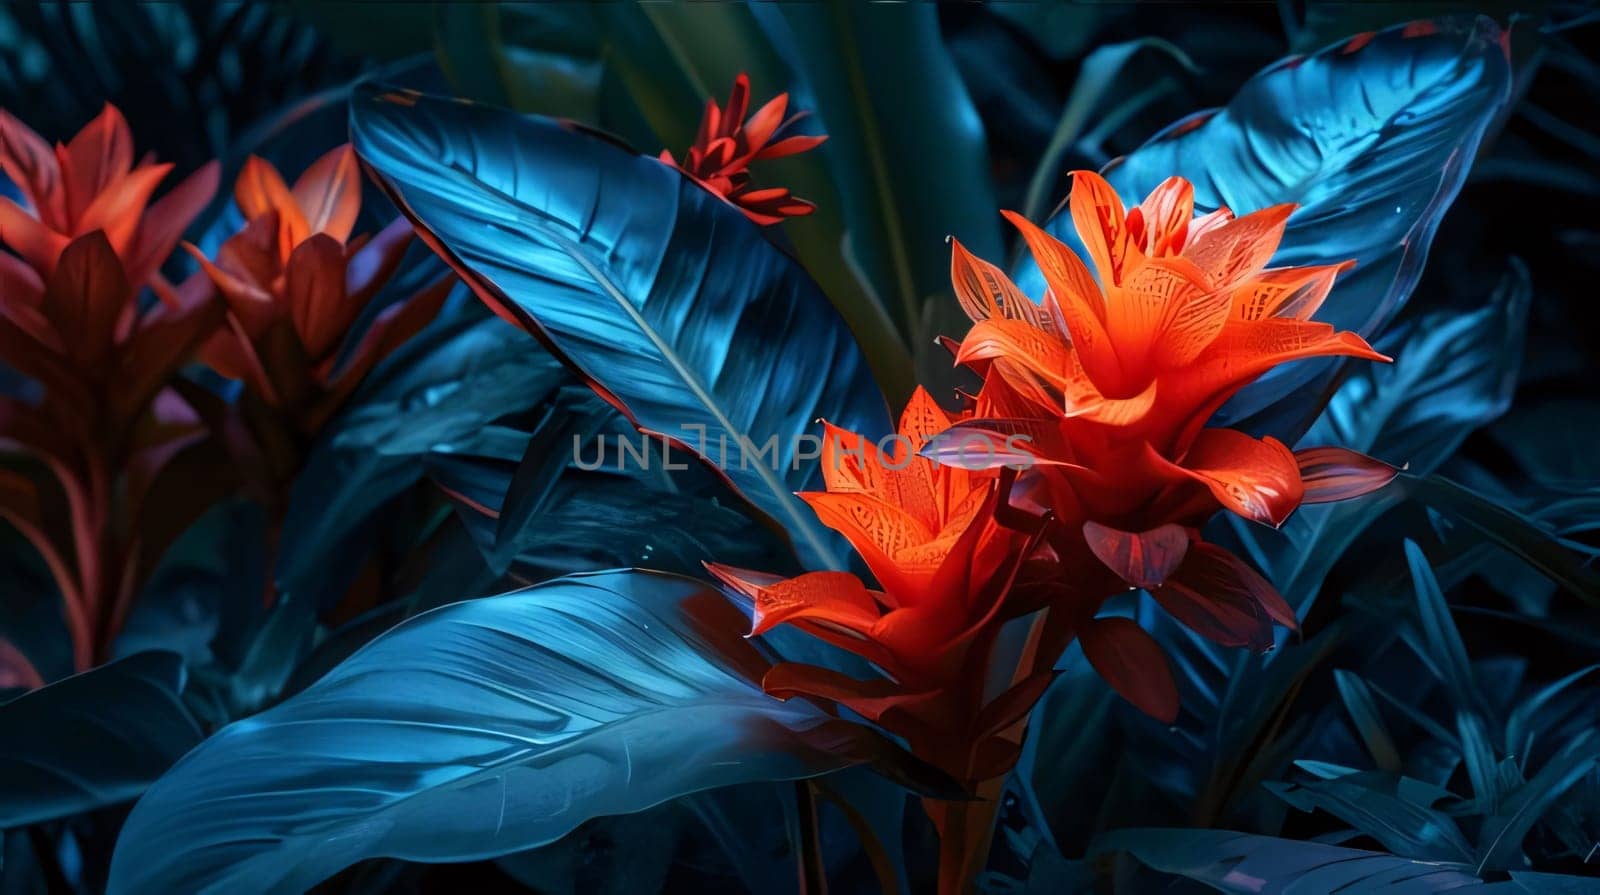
727	143
296	282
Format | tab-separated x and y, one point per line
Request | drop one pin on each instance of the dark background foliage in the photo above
376	539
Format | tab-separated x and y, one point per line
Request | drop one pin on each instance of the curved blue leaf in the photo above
481	729
665	298
92	740
1372	137
1249	865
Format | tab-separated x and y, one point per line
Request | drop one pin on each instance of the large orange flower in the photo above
727	143
1112	378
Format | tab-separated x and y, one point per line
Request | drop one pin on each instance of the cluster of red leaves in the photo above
727	143
295	283
1083	468
87	240
111	419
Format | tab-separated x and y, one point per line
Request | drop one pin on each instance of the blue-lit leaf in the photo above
1372	137
1500	838
481	729
92	740
1441	645
663	296
1453	373
905	147
1398	824
1249	865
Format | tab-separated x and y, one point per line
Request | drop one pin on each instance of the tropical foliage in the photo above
468	462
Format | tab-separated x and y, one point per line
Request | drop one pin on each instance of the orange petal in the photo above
1151	299
1239	249
119	208
1074	298
985	292
1142	559
879	531
261	189
27	236
838	599
1133	664
329	193
314	286
1259	480
166	219
1295	292
100	155
1097	214
1335	473
1243	351
1167	212
764	123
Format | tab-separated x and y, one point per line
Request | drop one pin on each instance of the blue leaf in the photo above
92	740
1372	138
1400	825
905	147
663	296
1250	865
1442	648
481	729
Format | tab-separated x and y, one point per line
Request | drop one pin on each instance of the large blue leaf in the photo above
1372	137
663	296
1252	865
480	729
92	740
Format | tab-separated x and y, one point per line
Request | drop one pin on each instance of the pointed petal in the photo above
29	162
1294	292
27	236
1142	559
1220	598
1335	473
1167	212
1098	215
120	207
985	291
1133	664
1258	479
1078	301
1239	249
98	156
764	123
738	104
879	531
167	218
329	193
314	287
792	146
1159	295
261	189
85	297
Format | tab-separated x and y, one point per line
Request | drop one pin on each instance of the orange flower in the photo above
295	284
89	184
726	145
1112	380
944	567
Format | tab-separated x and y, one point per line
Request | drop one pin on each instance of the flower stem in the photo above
813	871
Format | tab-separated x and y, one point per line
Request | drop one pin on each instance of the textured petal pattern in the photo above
1372	140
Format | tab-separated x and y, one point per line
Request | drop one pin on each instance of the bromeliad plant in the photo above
923	595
